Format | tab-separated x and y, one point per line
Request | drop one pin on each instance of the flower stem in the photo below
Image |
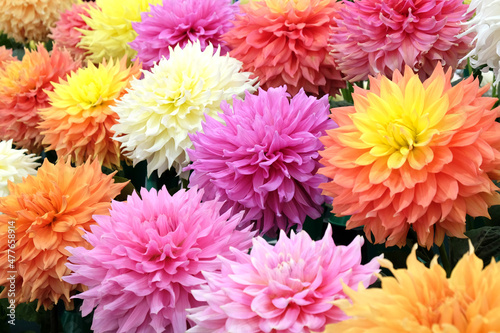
445	260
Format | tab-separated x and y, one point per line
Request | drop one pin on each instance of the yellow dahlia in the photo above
79	119
421	299
412	154
111	29
50	212
31	19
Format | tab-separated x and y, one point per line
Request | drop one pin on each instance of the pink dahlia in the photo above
286	288
381	36
176	22
66	32
263	158
286	42
148	256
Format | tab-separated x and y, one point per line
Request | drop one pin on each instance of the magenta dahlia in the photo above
381	36
263	157
148	256
288	288
176	22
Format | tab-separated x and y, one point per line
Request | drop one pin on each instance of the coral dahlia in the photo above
50	212
27	21
263	157
381	36
149	255
413	154
177	22
171	101
286	42
67	31
421	299
5	56
15	164
288	288
79	119
23	87
111	29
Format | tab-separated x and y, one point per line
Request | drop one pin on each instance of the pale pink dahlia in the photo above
176	22
286	288
67	31
381	36
263	157
148	256
286	42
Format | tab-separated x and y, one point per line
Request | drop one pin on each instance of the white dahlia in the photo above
14	165
486	25
159	112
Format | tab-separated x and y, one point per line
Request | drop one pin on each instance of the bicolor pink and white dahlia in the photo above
147	257
288	288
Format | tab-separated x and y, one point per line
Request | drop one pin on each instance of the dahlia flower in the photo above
263	157
23	87
67	30
5	56
381	36
79	119
14	165
177	22
286	288
414	154
159	111
421	299
286	42
485	27
110	24
30	20
149	255
50	212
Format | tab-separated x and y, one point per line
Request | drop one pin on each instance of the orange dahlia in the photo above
50	212
413	154
79	119
31	19
23	86
421	299
5	56
286	42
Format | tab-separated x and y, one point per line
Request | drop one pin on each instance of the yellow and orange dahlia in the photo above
23	87
413	154
49	212
79	119
30	20
421	299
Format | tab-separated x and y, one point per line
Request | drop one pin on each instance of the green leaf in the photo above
126	191
484	240
336	220
338	104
